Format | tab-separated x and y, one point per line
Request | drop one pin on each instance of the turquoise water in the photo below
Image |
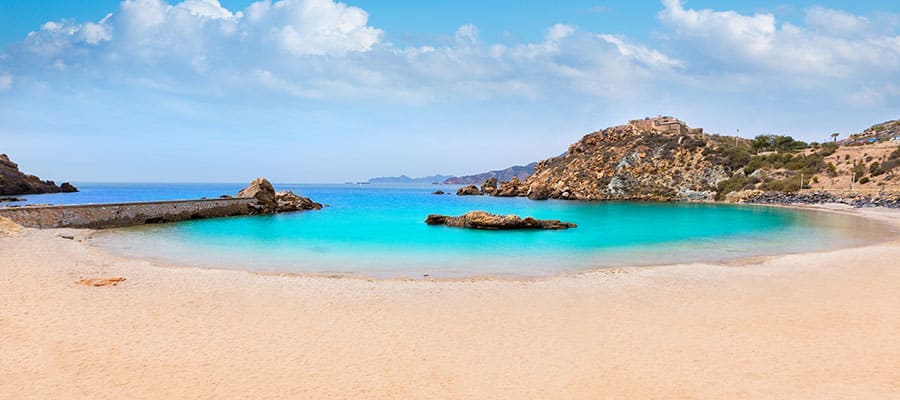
380	231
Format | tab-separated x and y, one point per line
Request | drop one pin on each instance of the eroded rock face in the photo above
650	159
489	186
289	201
512	188
14	182
470	190
264	193
485	220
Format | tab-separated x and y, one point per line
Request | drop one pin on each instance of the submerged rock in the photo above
485	220
470	190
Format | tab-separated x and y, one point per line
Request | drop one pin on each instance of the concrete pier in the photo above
114	215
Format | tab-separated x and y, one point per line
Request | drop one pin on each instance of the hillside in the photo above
654	159
14	182
663	158
519	171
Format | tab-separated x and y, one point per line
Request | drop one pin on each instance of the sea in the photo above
373	230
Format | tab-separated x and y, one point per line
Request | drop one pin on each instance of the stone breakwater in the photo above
97	216
852	199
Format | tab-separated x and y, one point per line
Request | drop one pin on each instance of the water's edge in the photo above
887	232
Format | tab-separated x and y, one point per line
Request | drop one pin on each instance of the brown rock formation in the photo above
14	182
651	159
270	202
264	193
511	188
489	186
470	190
289	201
485	220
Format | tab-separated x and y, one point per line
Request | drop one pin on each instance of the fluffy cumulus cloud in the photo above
833	44
324	49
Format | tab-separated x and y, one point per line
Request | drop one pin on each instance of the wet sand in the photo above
808	326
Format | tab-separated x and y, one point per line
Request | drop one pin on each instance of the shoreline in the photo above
889	226
811	325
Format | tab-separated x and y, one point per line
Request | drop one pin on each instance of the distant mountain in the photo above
403	179
521	172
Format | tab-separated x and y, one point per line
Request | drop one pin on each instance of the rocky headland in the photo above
664	159
485	220
14	182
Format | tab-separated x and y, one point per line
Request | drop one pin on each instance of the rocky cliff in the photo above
658	158
14	182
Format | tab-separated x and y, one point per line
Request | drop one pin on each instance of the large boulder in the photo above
489	186
485	220
511	188
264	193
470	190
289	201
67	187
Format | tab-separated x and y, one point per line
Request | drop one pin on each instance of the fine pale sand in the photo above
812	326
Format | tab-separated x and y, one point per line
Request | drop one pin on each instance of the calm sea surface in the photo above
379	231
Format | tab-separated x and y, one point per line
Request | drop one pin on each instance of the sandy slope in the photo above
816	326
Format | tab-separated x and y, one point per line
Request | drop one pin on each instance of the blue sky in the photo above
317	91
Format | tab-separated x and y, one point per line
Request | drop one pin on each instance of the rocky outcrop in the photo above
289	201
270	202
489	186
470	190
438	192
511	188
14	182
651	159
264	193
485	220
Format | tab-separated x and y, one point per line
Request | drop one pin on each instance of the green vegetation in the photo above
778	143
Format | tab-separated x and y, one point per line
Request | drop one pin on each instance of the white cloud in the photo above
324	49
639	53
5	82
835	21
834	44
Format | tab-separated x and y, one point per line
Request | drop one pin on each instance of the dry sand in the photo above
812	326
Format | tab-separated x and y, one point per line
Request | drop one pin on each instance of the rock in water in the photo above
14	182
270	202
67	187
489	186
289	201
263	191
438	192
511	188
485	220
470	190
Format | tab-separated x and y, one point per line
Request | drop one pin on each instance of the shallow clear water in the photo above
380	231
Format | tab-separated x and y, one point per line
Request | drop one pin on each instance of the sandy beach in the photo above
809	326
